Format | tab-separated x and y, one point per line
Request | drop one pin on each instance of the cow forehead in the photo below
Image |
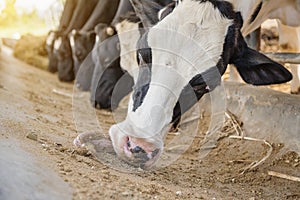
192	31
192	17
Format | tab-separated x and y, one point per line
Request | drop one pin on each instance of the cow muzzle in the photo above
138	152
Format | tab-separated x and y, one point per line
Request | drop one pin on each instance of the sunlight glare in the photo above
28	5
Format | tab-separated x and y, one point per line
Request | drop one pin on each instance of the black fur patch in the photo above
144	58
224	7
144	51
197	87
167	10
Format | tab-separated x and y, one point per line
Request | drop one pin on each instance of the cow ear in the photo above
257	69
110	31
147	11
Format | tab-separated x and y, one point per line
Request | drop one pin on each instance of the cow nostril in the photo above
128	143
137	149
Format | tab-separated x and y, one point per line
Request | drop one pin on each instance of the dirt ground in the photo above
36	109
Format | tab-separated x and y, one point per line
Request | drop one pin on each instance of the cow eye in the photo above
141	60
144	56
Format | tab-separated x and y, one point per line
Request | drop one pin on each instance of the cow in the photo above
83	40
189	48
287	12
85	74
109	68
53	34
62	46
87	79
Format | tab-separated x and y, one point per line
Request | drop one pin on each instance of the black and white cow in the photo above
62	46
83	40
65	18
190	47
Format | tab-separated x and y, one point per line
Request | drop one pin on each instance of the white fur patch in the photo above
196	36
57	43
129	34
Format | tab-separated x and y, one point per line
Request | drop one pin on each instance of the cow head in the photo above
84	76
63	51
81	43
127	29
190	47
107	70
103	31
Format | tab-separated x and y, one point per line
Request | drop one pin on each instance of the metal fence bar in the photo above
292	58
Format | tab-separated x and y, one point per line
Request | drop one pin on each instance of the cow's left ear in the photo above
257	69
147	11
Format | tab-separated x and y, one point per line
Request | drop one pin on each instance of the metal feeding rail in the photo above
253	41
292	58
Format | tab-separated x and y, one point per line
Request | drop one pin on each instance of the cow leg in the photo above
253	39
295	83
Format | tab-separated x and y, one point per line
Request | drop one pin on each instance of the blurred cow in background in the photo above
110	68
65	19
62	46
83	40
102	55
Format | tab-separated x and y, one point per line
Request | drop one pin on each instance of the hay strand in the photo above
284	176
255	163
